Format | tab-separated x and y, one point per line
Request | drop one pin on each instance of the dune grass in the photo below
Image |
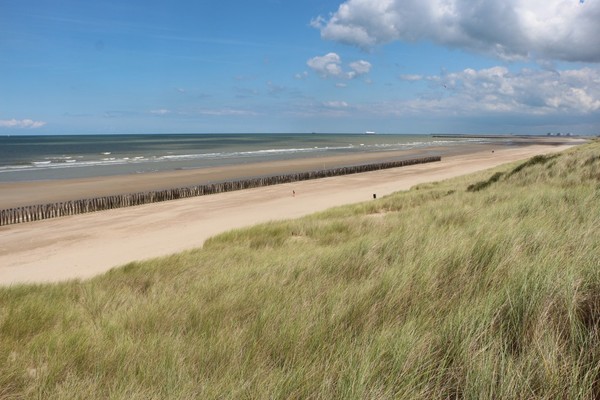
439	292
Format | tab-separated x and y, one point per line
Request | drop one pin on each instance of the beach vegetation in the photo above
445	291
475	187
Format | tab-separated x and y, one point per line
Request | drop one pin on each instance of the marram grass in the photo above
441	292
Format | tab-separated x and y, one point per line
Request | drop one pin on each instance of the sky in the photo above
283	66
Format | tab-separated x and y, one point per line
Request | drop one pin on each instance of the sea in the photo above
31	158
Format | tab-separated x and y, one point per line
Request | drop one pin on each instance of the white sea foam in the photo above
172	160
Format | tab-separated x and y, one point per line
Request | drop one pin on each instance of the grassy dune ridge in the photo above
485	286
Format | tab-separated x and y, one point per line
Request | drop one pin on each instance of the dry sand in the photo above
86	245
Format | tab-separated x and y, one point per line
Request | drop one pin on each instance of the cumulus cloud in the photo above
496	90
327	65
360	67
510	29
21	123
330	66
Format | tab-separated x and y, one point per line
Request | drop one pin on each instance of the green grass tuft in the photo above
476	187
536	160
438	292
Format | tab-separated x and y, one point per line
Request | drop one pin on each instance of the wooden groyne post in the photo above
18	215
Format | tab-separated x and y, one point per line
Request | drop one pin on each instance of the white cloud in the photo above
330	66
360	67
509	29
162	111
336	104
21	123
499	92
226	112
411	77
539	92
327	65
301	76
215	112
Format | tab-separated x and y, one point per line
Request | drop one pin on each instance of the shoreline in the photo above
18	194
29	193
82	246
84	206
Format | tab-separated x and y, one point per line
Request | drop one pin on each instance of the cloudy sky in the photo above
395	66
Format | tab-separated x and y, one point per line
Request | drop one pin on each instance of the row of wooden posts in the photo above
39	212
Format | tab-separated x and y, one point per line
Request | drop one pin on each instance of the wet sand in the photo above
82	246
16	194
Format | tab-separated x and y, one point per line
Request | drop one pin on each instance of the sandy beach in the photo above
82	246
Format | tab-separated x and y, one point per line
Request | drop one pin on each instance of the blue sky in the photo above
396	66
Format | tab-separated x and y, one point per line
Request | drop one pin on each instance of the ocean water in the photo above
30	158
